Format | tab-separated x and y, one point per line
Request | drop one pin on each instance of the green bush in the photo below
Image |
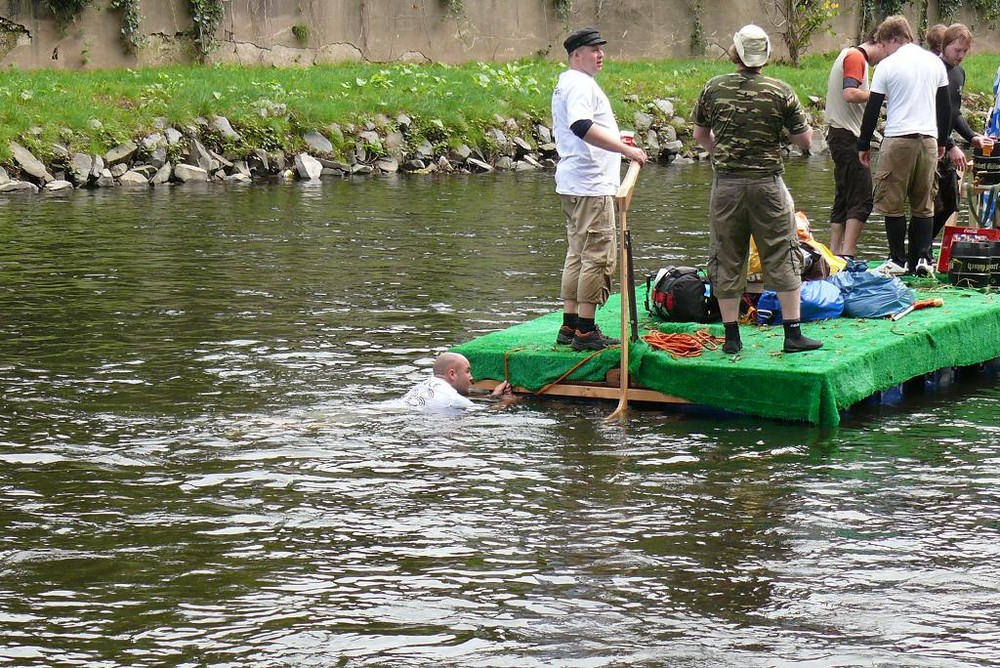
301	32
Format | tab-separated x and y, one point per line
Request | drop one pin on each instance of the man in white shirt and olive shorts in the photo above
587	179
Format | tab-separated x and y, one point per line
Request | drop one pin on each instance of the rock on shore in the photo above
203	151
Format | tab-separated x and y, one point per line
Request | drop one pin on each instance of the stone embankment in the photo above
382	145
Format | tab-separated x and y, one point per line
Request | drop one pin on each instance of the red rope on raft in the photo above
683	345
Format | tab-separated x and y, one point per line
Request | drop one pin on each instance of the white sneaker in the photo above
923	268
889	268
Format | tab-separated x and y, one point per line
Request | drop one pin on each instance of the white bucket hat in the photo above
752	45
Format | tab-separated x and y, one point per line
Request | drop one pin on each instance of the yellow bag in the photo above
805	236
754	270
836	263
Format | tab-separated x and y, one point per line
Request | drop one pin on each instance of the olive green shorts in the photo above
758	206
591	252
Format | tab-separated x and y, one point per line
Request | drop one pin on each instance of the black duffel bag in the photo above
681	294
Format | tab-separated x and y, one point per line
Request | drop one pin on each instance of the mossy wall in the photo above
263	32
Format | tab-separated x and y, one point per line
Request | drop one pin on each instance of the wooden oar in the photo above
622	201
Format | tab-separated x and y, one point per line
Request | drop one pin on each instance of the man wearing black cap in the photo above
587	178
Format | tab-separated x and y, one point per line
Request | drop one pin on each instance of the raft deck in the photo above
859	358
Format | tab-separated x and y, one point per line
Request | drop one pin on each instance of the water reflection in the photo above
199	466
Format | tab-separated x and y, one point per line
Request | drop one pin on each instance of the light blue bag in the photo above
868	295
820	300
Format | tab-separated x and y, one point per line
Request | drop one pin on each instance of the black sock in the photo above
792	329
584	324
732	344
895	233
921	240
570	320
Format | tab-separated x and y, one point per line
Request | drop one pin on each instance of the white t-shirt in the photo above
435	394
910	79
583	169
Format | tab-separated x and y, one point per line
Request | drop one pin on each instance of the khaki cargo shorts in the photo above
591	252
905	173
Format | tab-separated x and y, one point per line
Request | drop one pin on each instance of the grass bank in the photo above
92	112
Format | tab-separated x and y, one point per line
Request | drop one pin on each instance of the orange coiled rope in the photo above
683	345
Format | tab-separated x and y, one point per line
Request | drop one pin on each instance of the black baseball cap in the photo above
583	37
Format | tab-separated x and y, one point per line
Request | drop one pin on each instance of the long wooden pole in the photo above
622	201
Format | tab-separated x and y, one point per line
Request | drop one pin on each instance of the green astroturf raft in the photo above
858	358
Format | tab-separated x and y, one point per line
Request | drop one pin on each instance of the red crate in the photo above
953	232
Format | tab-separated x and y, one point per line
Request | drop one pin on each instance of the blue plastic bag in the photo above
820	300
868	295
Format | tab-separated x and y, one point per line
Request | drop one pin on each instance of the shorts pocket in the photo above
604	218
881	187
795	257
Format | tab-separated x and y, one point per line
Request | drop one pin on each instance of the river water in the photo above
199	464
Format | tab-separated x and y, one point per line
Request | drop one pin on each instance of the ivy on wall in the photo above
922	20
207	15
989	10
948	9
66	11
130	23
873	11
562	8
699	42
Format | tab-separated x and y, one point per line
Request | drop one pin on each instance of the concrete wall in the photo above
259	32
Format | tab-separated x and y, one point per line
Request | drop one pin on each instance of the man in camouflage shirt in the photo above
740	120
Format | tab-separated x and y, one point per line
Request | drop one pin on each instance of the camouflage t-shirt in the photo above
747	112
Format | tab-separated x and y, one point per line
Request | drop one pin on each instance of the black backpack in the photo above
681	294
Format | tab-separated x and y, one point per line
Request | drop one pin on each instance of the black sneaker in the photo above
732	346
801	345
565	336
592	340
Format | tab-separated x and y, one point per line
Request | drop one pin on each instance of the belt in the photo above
739	175
913	135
